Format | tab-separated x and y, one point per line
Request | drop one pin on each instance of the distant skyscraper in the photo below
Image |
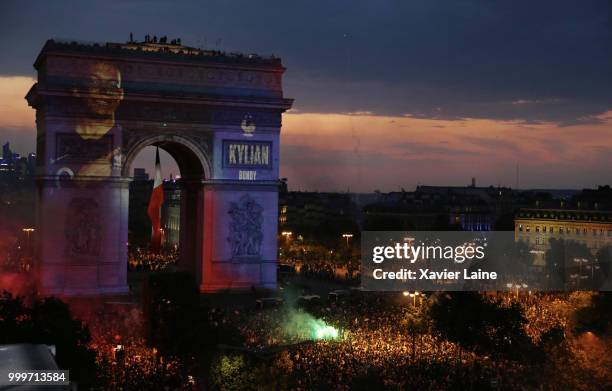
7	155
7	164
14	167
32	163
140	174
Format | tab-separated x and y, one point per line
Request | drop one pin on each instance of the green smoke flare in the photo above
305	326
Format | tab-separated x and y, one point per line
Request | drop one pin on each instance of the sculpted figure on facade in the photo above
82	228
245	234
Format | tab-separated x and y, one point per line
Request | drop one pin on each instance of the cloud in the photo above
363	112
442	60
420	148
432	92
14	110
17	119
534	102
495	144
404	151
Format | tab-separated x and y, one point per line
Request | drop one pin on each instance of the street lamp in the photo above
347	237
525	286
28	231
580	261
517	287
287	235
414	296
592	268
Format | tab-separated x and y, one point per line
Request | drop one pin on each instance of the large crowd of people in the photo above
374	345
144	260
321	262
324	271
375	340
125	360
544	311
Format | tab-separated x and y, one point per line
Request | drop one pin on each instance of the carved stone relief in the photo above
245	228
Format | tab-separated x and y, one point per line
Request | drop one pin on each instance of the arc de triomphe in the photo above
217	114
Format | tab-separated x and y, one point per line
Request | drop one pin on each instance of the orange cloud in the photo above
17	119
366	152
363	152
14	110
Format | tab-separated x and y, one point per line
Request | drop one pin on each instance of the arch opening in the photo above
183	168
192	162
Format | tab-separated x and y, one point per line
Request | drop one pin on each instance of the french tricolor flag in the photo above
155	204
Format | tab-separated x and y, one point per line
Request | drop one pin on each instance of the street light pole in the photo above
28	231
414	296
580	261
287	235
347	237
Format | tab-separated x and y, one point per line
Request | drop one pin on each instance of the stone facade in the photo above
98	105
536	227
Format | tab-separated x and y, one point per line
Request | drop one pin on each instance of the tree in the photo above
417	324
552	338
231	372
371	379
171	311
604	261
481	325
596	317
49	321
523	255
560	260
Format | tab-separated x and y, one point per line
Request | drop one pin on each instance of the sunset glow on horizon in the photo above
364	152
367	152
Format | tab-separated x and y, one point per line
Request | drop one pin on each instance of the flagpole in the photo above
155	204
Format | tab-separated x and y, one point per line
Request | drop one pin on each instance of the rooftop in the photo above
566	214
157	50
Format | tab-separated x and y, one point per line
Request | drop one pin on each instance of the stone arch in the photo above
193	161
198	121
194	165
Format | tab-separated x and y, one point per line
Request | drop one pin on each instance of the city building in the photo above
140	174
139	222
312	209
171	213
319	217
14	167
536	227
585	218
466	208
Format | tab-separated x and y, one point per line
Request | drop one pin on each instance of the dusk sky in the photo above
388	94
